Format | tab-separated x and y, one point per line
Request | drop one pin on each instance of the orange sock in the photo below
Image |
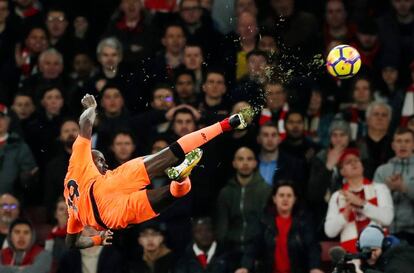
196	139
179	189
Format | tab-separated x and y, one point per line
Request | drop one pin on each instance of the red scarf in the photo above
122	25
57	232
26	67
356	221
7	256
160	5
266	115
408	106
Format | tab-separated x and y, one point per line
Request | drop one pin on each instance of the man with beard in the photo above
9	211
57	167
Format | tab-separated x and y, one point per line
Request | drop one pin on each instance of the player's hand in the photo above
88	101
106	237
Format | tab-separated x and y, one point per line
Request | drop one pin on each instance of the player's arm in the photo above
88	116
78	241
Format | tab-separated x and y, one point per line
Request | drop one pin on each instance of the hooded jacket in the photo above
403	202
33	260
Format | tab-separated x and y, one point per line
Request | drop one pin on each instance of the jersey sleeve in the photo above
74	226
81	151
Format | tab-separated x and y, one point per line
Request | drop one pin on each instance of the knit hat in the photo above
341	125
371	237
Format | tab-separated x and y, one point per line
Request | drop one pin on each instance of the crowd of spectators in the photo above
322	159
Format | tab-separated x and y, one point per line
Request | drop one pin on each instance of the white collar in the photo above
210	252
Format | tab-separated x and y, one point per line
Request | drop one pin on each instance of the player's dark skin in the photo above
155	165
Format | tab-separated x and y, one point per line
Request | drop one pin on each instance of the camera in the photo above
343	265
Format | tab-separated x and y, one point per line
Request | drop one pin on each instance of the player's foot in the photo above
241	119
183	170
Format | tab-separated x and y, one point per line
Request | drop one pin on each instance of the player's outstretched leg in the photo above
156	164
184	169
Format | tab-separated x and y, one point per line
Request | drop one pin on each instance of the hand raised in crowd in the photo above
88	101
395	182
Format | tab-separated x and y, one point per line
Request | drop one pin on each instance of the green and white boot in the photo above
183	170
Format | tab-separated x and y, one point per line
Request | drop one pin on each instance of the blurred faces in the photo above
56	23
244	162
190	11
375	254
123	146
389	75
21	237
267	43
379	118
368	41
403	7
284	199
9	209
82	65
36	41
246	6
268	138
23	106
295	126
61	213
256	65
215	86
339	139
315	102
247	26
362	91
185	86
335	14
131	9
109	58
68	133
112	101
403	145
275	96
203	235
193	57
51	65
4	11
174	40
183	124
163	99
351	167
150	240
158	146
52	101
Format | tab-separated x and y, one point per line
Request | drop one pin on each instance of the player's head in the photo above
100	162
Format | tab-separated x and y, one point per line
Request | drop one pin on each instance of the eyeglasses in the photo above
9	206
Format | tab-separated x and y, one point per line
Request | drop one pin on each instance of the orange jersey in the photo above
120	194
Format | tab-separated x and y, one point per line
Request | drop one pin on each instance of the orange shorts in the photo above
121	195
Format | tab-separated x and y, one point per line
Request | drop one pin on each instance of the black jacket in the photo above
303	247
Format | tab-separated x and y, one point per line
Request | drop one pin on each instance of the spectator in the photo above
204	254
357	204
200	29
185	87
22	254
97	259
156	257
55	242
214	106
267	43
193	60
275	165
288	239
9	211
236	228
132	27
23	106
408	107
56	168
377	142
29	12
83	69
398	175
246	6
336	26
26	56
18	168
122	149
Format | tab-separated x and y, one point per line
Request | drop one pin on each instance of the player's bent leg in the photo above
183	170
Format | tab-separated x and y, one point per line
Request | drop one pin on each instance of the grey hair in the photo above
111	42
51	51
374	104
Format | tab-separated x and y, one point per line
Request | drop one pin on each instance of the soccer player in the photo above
105	199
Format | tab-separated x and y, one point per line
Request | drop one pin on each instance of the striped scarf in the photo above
356	221
408	106
266	115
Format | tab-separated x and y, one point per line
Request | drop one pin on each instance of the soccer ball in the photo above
343	61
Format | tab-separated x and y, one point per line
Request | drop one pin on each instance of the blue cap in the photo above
371	237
